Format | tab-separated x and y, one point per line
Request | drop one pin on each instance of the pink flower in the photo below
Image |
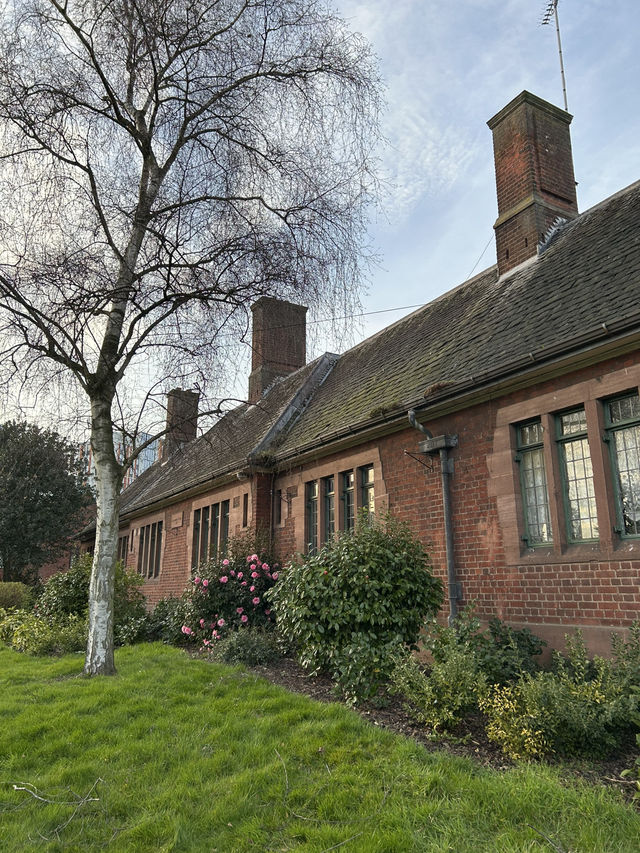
265	567
252	589
267	612
275	576
254	558
202	623
205	583
224	579
232	573
254	574
220	623
244	583
239	609
215	635
186	630
253	567
249	559
244	618
256	600
240	575
225	562
196	580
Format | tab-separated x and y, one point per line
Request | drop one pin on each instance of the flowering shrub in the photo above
228	594
346	608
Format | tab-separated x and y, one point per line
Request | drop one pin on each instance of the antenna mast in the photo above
549	12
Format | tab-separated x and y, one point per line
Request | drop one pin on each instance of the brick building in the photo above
501	420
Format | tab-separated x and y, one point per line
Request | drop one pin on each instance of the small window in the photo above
623	434
329	497
224	527
311	517
533	482
245	509
348	503
579	493
366	488
123	547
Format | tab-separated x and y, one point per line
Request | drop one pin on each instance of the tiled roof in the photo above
588	276
226	447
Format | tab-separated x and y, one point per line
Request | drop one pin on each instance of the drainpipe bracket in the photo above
437	443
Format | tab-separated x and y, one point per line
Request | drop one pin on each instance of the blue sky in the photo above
449	67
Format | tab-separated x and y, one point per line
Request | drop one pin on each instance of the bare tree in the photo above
162	164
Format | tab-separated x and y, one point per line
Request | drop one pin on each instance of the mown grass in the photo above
190	756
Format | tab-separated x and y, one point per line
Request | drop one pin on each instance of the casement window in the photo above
210	532
533	483
324	516
245	509
150	550
622	418
329	497
348	500
367	501
311	517
123	548
577	473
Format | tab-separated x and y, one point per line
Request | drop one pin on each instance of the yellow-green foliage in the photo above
512	725
25	632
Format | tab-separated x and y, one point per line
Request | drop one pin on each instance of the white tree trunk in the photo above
99	657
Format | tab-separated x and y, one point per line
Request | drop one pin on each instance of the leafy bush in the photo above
440	697
67	593
227	594
253	647
168	618
13	594
500	652
582	707
365	593
26	632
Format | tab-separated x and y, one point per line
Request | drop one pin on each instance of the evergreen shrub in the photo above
346	609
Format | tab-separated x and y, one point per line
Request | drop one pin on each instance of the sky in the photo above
448	67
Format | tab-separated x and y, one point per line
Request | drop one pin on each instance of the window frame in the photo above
612	427
561	442
523	449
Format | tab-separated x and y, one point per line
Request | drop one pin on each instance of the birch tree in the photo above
163	163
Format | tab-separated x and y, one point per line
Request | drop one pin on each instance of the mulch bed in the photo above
468	740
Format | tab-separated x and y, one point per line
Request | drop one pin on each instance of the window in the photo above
245	509
575	459
149	550
123	546
329	496
366	486
210	532
311	516
533	481
347	498
622	417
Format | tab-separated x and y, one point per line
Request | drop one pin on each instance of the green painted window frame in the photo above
311	517
347	496
527	448
329	498
613	427
563	440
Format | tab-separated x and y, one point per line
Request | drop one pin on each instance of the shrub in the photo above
26	632
440	697
67	593
227	594
365	593
500	652
13	594
253	647
580	708
168	618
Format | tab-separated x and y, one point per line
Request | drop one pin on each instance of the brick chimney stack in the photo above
182	420
534	175
279	342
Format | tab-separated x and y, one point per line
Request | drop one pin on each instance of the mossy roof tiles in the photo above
589	275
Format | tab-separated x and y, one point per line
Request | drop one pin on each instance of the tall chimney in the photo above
182	420
534	175
279	342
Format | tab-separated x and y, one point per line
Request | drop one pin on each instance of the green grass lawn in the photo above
181	755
